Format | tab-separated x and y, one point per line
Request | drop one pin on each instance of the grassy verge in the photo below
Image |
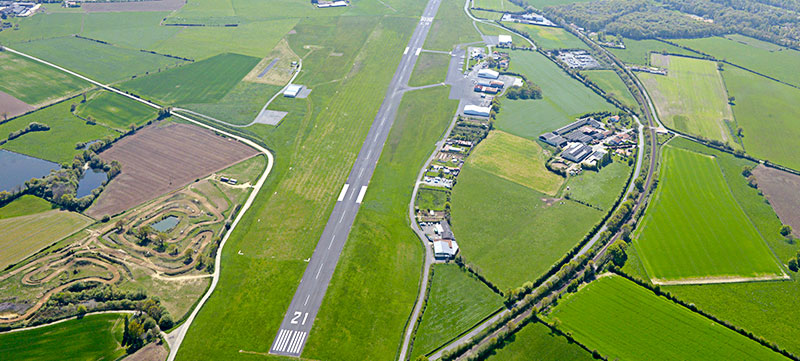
23	206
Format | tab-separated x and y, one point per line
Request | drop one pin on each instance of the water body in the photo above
165	224
86	146
17	168
91	179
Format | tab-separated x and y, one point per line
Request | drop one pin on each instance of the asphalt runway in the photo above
299	318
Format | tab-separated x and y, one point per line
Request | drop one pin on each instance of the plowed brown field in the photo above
782	189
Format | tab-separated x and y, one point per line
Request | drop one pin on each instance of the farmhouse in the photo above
329	4
292	90
477	110
504	40
445	248
488	74
576	152
553	139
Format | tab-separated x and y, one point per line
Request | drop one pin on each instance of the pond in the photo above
91	179
17	168
165	224
87	144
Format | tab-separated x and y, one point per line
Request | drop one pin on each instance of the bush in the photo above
165	323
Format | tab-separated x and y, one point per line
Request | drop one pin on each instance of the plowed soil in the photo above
11	107
782	189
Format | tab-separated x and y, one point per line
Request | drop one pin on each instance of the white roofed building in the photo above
477	110
504	40
292	90
488	74
445	248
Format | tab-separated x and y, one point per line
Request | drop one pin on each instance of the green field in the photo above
431	68
592	187
23	206
34	83
42	27
499	5
58	143
201	82
24	235
241	104
767	112
542	3
117	27
638	51
450	27
691	98
90	58
456	302
115	111
515	159
247	170
537	339
94	337
431	198
695	229
609	81
628	322
766	58
563	98
548	37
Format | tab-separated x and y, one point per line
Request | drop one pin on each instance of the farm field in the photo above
450	27
542	3
95	337
515	159
537	339
543	228
610	82
24	235
548	37
246	171
161	158
563	100
482	14
115	111
780	189
456	302
766	110
691	98
695	231
34	83
116	27
23	206
42	27
593	187
201	82
241	104
431	68
500	5
638	51
431	198
11	107
622	320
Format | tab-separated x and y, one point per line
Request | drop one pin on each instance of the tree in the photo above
731	100
135	332
617	253
422	358
126	337
793	264
165	323
786	230
119	226
72	107
639	183
81	311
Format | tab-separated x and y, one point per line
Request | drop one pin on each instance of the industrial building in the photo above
553	139
477	110
488	74
292	90
576	152
445	248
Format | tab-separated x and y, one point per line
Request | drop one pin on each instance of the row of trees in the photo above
32	127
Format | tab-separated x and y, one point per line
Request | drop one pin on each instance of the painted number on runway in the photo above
296	319
426	20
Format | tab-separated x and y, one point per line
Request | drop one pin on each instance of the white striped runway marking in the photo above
361	194
418	50
344	192
297	343
405	52
289	341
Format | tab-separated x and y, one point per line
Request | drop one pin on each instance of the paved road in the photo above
299	318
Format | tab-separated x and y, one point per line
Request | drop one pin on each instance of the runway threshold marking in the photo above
405	52
417	52
361	194
289	341
344	192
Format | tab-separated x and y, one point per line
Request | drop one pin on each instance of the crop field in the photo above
695	231
89	58
242	103
58	143
563	98
490	15
624	321
500	5
34	83
115	111
513	250
780	189
24	235
760	56
766	110
431	68
515	159
593	187
201	82
42	27
548	37
456	302
691	98
638	51
542	3
94	337
451	27
23	206
610	82
12	107
117	27
537	339
130	6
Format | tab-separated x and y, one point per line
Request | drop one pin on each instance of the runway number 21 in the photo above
296	318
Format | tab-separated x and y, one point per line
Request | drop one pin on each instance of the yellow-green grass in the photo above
247	170
90	58
431	199
767	112
695	230
456	302
609	81
766	58
115	111
58	143
241	104
625	321
592	187
450	27
499	5
691	98
94	337
42	26
516	159
509	231
490	15
548	37
638	51
117	27
563	98
34	83
23	206
487	29
431	68
539	4
201	82
24	235
536	340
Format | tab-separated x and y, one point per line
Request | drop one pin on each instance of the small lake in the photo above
17	168
86	146
90	180
165	224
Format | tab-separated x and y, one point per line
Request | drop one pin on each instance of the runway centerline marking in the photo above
319	270
307	297
329	246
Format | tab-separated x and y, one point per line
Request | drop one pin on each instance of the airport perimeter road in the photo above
293	333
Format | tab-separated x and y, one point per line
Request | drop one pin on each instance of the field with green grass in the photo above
42	27
450	27
766	58
490	15
610	82
696	230
548	37
537	339
431	68
625	321
542	3
241	104
35	83
499	5
638	51
205	81
115	111
58	143
246	171
431	198
23	206
515	159
90	58
593	187
563	98
117	27
24	235
456	302
691	98
94	337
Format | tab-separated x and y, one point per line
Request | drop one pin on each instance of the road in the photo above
302	312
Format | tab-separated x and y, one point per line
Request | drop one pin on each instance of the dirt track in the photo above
782	189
